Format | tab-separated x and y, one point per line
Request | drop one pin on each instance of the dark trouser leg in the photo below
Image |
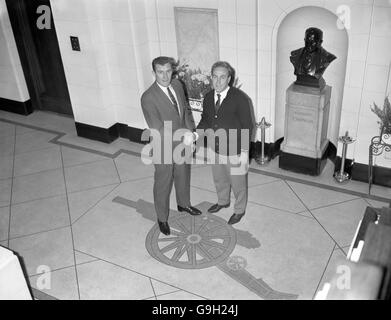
161	190
182	184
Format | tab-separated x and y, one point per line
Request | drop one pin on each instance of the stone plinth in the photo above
305	134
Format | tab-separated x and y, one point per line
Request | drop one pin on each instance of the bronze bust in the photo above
311	61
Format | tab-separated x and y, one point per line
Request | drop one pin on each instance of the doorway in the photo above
40	56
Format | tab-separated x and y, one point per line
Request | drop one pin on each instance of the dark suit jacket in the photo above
234	113
157	108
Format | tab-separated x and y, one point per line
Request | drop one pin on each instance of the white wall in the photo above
119	38
87	89
12	82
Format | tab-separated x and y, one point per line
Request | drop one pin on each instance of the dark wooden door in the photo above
40	56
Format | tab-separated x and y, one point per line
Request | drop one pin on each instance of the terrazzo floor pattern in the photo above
80	213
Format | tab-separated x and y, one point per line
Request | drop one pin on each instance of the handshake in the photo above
189	138
241	159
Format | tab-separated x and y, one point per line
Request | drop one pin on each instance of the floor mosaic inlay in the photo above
201	242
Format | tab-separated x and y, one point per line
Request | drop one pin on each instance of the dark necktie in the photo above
173	99
217	102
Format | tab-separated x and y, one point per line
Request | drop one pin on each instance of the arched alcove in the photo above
290	36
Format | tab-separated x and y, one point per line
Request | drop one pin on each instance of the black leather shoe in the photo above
189	209
164	227
235	218
216	207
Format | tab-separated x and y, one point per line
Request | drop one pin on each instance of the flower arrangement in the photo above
384	116
196	82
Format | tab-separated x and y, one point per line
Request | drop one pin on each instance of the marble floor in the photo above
80	215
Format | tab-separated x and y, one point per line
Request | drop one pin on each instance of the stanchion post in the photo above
342	176
263	125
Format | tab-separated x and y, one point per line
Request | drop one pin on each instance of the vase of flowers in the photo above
196	84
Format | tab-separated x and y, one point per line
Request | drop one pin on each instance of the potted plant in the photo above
384	117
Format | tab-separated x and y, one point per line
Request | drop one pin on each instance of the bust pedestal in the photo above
305	136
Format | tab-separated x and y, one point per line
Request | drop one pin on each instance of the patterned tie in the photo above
173	99
218	102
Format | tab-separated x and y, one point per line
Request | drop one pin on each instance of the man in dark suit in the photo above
227	114
165	107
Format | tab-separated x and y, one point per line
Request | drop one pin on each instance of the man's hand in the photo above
188	138
244	160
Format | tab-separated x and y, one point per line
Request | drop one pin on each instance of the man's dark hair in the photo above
225	64
162	61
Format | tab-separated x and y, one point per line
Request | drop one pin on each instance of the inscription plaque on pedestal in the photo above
305	136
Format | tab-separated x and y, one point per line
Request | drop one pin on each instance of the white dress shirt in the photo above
222	94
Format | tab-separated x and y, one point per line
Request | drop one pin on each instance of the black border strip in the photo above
18	107
110	134
381	175
359	172
97	133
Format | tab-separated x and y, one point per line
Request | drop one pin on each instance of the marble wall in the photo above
119	39
99	75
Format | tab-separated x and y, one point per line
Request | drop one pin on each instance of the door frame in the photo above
24	43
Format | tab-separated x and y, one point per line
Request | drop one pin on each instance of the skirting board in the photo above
23	108
301	164
359	172
108	135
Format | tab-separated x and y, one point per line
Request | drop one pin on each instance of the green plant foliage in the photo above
384	115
